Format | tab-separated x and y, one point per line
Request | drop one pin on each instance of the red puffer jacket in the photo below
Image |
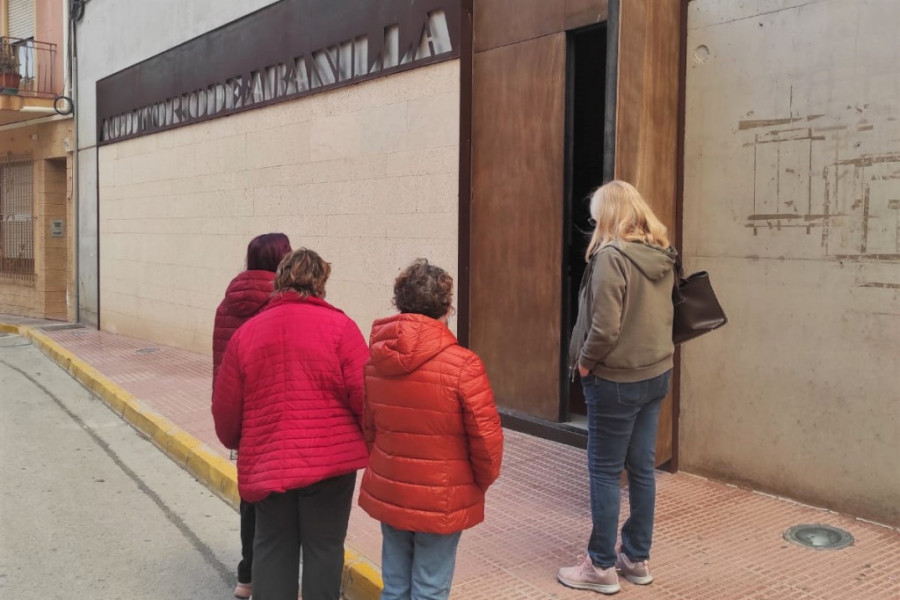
289	396
433	430
246	295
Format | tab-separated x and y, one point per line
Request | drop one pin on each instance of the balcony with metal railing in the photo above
29	79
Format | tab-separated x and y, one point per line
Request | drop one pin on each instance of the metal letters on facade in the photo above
284	51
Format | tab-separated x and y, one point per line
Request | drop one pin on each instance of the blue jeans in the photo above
622	424
415	565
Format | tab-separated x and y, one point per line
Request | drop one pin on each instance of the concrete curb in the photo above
361	579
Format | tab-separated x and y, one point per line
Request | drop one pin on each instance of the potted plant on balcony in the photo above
9	69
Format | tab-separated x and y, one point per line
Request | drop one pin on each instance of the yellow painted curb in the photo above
188	452
361	579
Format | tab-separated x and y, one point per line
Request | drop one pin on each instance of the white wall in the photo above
366	175
792	202
113	35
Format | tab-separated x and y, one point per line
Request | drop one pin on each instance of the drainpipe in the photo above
70	68
67	84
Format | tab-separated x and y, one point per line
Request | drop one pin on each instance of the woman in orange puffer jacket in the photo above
434	435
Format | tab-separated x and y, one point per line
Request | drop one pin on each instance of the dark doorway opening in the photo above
586	73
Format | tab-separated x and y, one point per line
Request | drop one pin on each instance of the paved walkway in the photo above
713	541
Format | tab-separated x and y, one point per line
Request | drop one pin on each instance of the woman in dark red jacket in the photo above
434	434
289	396
246	295
249	291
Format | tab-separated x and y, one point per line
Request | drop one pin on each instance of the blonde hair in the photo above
622	213
303	271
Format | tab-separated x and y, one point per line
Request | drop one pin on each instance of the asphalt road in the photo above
88	508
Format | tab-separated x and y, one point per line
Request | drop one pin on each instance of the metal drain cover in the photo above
147	350
819	537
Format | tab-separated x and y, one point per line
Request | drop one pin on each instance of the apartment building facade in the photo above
37	276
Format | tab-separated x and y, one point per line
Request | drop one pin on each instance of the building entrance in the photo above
585	141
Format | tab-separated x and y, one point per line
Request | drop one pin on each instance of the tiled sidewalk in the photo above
713	541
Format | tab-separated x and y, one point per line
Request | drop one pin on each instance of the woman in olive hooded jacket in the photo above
622	348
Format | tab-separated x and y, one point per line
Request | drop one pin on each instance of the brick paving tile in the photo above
713	541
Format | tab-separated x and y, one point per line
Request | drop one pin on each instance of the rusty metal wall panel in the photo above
647	101
503	22
518	170
517	210
581	13
647	119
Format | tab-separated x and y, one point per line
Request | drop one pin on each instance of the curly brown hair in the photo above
424	289
303	271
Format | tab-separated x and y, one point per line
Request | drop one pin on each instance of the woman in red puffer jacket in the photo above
435	437
249	291
246	295
289	396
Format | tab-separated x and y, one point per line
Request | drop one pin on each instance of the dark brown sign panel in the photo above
284	51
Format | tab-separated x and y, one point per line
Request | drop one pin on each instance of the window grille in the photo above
16	218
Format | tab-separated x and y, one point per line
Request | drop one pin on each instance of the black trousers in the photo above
313	518
248	529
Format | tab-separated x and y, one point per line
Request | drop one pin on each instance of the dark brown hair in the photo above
424	289
264	252
303	271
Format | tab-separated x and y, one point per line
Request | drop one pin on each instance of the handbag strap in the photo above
677	297
679	270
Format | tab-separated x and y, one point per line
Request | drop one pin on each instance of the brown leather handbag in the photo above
697	310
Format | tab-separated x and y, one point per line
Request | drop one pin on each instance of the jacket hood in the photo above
402	343
249	292
654	262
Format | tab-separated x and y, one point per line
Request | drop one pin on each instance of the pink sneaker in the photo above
585	576
243	590
635	572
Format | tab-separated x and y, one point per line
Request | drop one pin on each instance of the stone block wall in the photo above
366	175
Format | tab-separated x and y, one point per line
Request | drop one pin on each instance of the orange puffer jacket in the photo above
431	426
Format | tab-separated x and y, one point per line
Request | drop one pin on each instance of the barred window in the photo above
16	218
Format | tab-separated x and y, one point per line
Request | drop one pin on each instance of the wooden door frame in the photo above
464	250
515	419
679	220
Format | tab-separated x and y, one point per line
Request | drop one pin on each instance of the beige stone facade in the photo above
366	175
48	290
791	184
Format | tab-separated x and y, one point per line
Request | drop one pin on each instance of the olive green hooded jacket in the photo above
624	328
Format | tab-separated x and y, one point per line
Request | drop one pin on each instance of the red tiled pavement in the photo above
713	541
